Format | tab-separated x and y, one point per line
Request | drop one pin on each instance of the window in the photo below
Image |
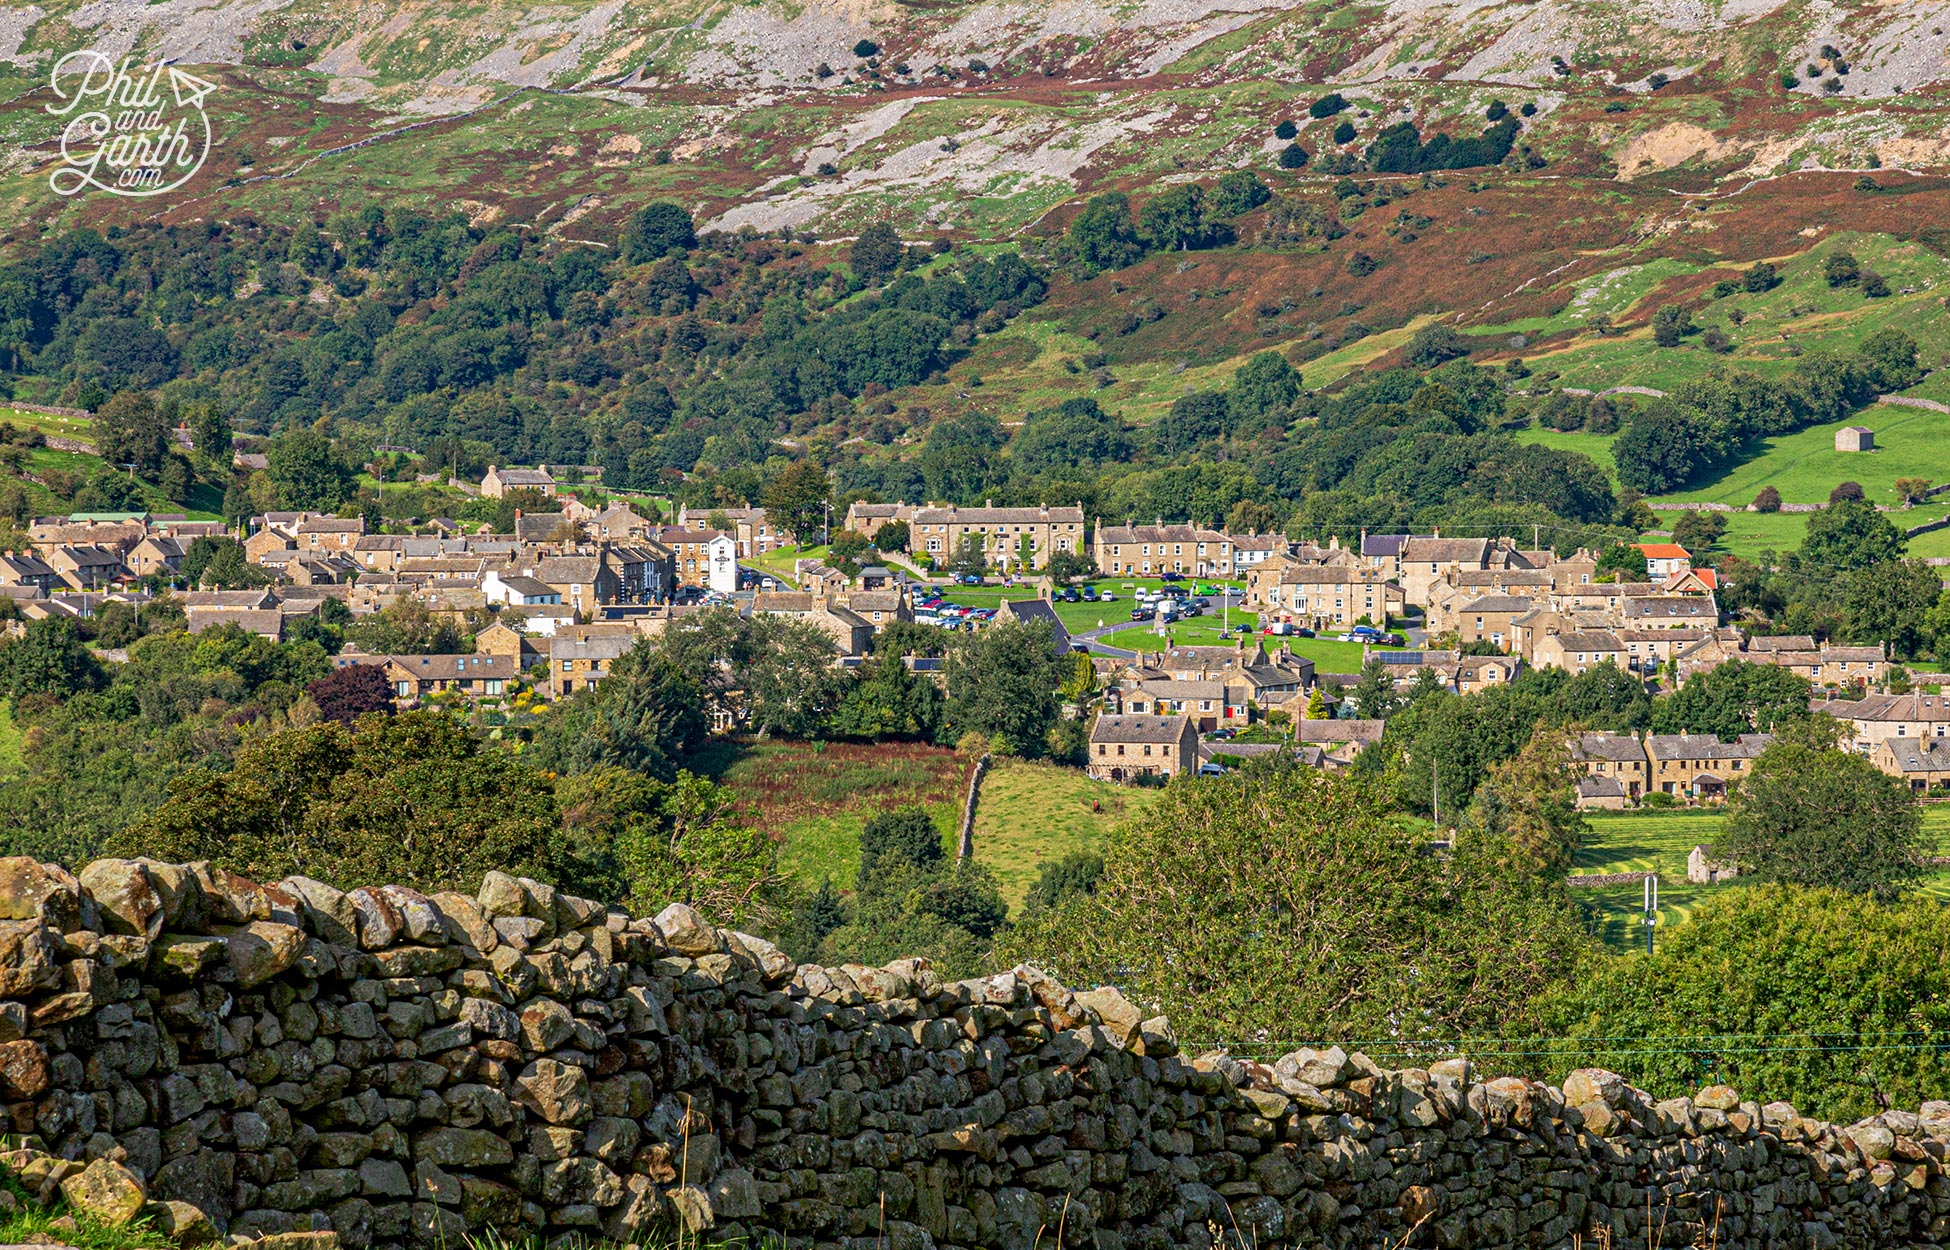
1147	749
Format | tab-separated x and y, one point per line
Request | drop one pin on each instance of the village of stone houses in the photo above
971	625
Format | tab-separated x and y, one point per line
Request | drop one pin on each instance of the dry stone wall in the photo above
392	1068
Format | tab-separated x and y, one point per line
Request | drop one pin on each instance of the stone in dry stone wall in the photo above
399	1068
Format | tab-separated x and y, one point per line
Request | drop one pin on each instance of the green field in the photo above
813	799
1648	841
1030	814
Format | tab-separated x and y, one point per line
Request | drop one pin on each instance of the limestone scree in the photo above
400	1068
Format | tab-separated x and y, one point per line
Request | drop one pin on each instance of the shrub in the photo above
1361	264
1529	109
866	48
1344	133
1761	277
1293	156
1285	130
1327	105
1845	492
1841	269
1497	111
1435	345
1671	324
1769	500
1874	285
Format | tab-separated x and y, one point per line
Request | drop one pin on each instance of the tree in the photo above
1912	490
1699	531
130	429
1850	535
1285	901
1809	995
790	682
889	700
1002	683
970	557
1264	385
1735	698
1841	269
1317	705
1327	105
1811	815
1527	809
1174	220
1374	695
1621	562
1433	345
1239	192
211	430
1065	567
345	694
797	499
1104	235
901	837
1768	500
646	715
1075	874
648	843
406	626
1670	324
1761	276
49	658
655	231
1344	133
413	799
1889	356
1285	129
1846	491
307	471
892	536
1893	602
876	254
1293	156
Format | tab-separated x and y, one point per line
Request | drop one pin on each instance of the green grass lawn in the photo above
1648	841
1030	814
1198	631
11	763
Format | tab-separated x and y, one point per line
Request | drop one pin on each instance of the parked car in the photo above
1194	608
969	579
1080	648
1070	596
1171	577
1211	769
1222	735
1304	633
1107	597
1090	594
1143	613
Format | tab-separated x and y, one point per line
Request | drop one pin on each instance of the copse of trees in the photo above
1701	426
1811	815
1810	996
1281	901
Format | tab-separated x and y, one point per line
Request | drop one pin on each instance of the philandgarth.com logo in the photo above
124	133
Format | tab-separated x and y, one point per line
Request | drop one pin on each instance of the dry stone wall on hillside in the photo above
397	1068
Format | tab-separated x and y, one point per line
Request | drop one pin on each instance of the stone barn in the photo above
1855	438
